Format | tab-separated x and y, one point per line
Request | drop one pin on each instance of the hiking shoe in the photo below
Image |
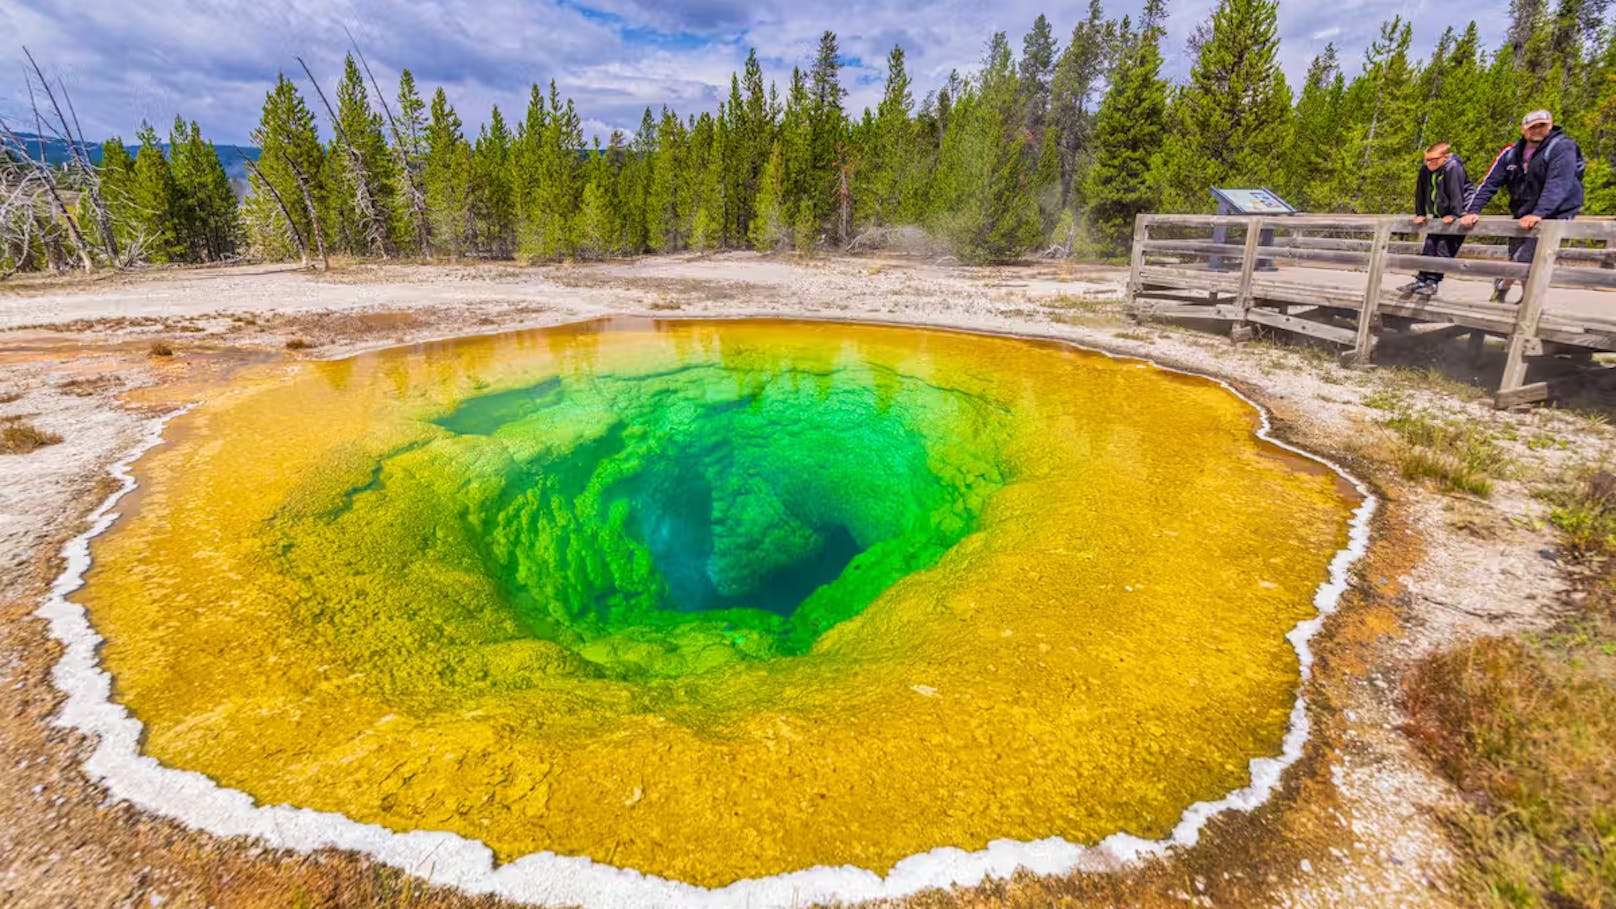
1412	287
1499	295
1425	290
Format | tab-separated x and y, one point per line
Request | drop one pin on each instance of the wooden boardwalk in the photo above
1336	278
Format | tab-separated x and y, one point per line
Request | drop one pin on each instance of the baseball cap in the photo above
1537	116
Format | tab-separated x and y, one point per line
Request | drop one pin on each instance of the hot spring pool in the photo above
714	601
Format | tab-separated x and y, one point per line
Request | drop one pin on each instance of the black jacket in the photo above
1444	191
1549	185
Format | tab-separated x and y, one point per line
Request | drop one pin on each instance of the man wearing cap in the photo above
1543	173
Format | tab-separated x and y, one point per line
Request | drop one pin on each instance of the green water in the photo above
640	520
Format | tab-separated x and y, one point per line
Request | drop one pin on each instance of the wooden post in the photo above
1141	232
1477	347
1365	343
1248	264
1531	308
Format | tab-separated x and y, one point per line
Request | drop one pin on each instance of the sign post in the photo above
1247	202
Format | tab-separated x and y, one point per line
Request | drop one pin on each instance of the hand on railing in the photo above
1530	221
1469	220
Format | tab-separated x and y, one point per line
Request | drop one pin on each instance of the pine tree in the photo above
1077	82
1456	106
752	138
493	189
665	230
1599	135
634	185
415	226
797	141
734	188
1232	119
447	179
548	168
707	190
117	187
155	201
1129	131
206	223
1311	168
1037	70
767	230
597	216
826	128
362	193
292	160
983	201
890	175
1046	184
1383	146
805	228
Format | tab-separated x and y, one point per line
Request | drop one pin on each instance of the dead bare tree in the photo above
314	210
47	186
364	200
406	161
291	223
81	158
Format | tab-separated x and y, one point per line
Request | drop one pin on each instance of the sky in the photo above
125	61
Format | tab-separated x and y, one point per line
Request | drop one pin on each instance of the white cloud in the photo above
212	61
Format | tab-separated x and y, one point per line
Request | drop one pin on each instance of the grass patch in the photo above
1384	400
1453	455
1524	727
298	344
1431	378
19	437
1585	512
160	349
1082	304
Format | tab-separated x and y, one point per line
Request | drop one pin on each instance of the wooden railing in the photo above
1221	267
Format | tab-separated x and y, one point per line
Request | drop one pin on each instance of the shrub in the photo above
18	437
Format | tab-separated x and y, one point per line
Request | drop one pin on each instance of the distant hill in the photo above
58	152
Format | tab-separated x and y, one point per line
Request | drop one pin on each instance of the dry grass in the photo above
1085	303
298	344
1451	454
1524	728
160	349
87	386
20	437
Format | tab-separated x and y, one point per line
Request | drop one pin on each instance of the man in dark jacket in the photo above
1440	191
1543	173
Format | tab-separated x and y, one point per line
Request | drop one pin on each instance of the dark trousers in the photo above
1445	246
1524	249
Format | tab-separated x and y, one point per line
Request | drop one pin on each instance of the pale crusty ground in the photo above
1356	824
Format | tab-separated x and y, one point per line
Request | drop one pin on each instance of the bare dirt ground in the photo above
1358	822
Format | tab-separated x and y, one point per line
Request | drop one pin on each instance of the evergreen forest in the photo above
1049	148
